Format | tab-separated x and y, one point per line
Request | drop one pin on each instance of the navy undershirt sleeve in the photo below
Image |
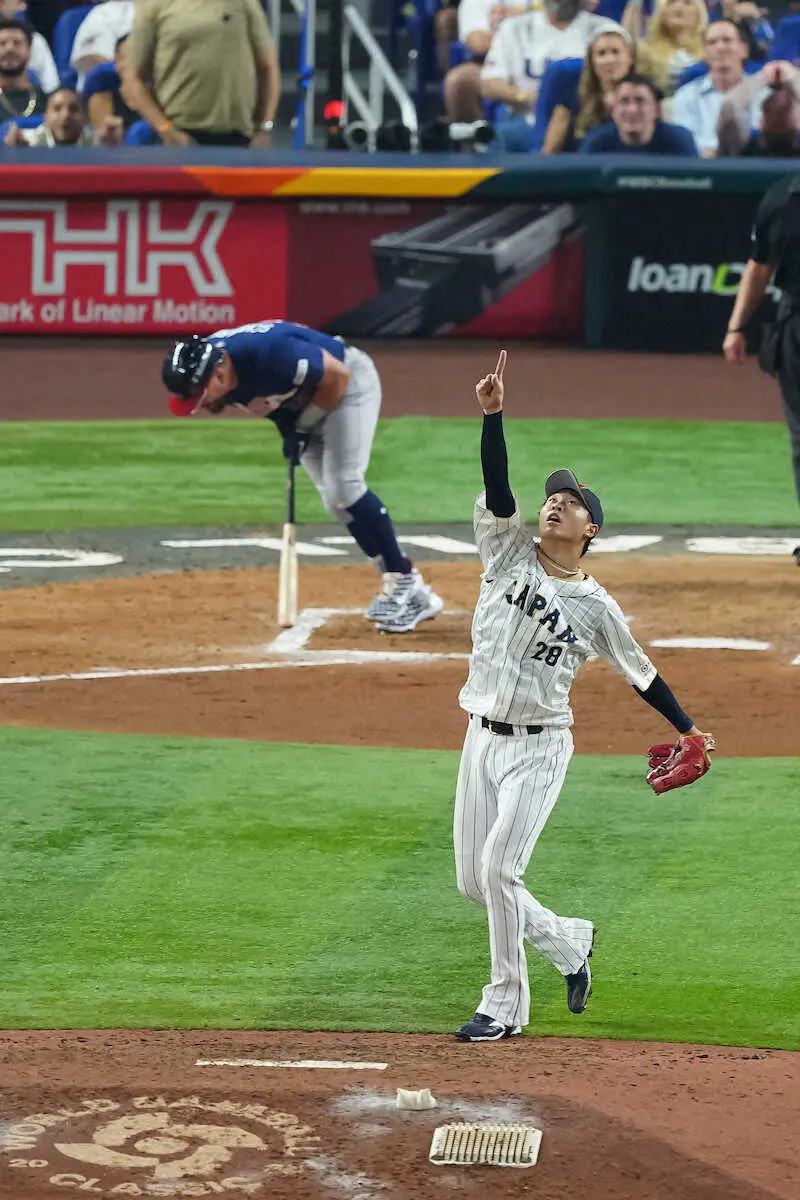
494	461
659	697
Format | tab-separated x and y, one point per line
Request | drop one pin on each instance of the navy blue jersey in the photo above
278	360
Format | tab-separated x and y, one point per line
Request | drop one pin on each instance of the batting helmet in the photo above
187	368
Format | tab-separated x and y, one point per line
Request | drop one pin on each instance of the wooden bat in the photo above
287	575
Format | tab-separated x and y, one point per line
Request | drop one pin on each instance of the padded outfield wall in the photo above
576	251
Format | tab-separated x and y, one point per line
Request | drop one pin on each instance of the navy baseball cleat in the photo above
485	1029
579	985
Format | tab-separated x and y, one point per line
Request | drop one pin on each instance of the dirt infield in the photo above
621	1121
129	1113
226	619
90	378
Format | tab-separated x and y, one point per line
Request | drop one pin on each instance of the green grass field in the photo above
72	475
182	883
188	883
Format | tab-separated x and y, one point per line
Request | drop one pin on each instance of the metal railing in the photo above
383	79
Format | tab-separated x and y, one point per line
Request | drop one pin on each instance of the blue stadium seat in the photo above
66	28
102	78
416	17
559	86
21	123
693	72
786	44
142	134
700	68
459	53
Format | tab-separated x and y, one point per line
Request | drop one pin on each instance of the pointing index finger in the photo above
501	362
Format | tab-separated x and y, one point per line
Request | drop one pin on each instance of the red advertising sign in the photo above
139	266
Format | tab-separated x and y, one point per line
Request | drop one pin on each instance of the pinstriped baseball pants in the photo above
507	788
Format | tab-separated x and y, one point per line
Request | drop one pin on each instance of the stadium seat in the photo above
459	53
559	86
693	72
21	123
700	68
416	17
786	45
141	133
64	33
102	78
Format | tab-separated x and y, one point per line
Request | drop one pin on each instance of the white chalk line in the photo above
311	658
290	645
711	643
308	1064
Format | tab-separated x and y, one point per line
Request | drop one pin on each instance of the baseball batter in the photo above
539	617
325	398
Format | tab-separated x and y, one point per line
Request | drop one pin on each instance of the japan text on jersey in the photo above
533	632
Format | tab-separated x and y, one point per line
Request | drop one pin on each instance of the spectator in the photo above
608	60
97	37
204	74
478	21
65	124
519	54
752	20
106	91
777	136
18	96
674	39
42	62
697	104
636	127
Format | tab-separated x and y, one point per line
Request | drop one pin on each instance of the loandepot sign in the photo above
686	279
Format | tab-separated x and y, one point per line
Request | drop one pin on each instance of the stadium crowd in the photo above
671	77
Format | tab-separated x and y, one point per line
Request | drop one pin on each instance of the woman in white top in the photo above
673	42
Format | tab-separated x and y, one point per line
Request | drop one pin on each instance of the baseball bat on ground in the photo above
287	575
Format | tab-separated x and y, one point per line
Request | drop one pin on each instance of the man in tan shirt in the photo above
204	73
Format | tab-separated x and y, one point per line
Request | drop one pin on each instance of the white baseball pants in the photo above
507	788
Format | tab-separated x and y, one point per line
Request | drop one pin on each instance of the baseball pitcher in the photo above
539	617
324	397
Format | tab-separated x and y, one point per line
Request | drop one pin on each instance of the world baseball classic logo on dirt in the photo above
152	1146
138	266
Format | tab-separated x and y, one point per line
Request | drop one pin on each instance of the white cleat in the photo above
380	605
420	603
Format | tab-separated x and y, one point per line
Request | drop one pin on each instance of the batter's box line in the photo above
290	641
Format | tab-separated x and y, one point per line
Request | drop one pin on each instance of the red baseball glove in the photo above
673	766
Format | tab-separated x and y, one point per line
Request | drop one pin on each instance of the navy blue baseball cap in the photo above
565	481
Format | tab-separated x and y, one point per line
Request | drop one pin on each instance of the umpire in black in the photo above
775	247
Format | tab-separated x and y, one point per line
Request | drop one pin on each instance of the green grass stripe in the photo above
185	883
71	475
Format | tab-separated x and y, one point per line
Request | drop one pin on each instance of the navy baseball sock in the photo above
375	533
364	540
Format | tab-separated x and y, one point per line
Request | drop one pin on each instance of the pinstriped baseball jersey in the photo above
532	632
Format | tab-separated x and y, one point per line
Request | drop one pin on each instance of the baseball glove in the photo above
673	766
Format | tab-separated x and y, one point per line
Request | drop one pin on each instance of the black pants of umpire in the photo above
789	379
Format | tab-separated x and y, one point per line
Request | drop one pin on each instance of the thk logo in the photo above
131	248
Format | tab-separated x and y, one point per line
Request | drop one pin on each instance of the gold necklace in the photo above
566	571
9	108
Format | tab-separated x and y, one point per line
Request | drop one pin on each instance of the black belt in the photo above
507	730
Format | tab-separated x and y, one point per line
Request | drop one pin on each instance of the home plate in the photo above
463	1145
311	1064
